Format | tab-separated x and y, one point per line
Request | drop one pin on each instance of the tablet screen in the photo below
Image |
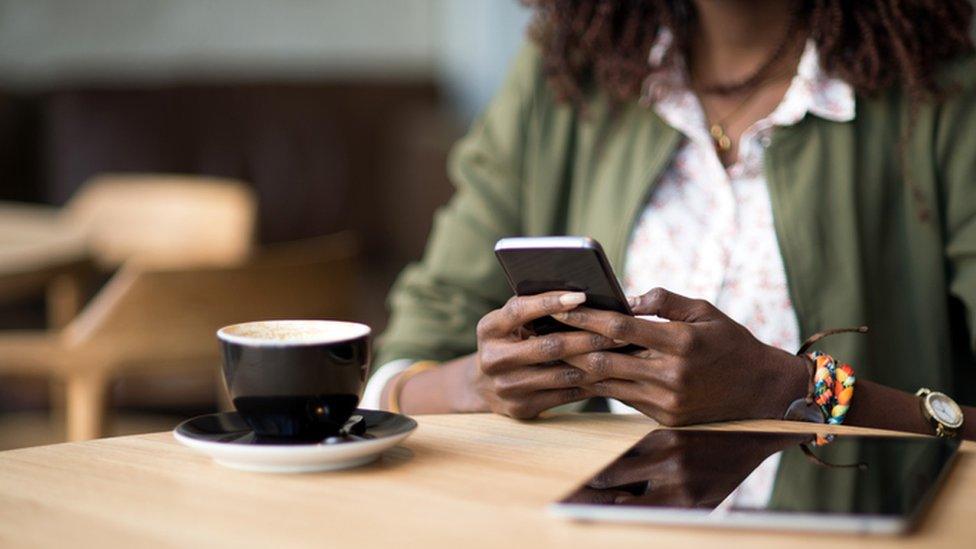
695	475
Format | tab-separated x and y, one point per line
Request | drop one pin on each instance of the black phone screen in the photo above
535	270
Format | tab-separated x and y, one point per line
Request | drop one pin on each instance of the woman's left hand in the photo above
701	366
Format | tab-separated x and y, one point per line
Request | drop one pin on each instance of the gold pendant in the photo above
722	140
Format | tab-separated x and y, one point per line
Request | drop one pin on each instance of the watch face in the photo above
944	410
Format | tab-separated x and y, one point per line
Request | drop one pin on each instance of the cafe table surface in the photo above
468	481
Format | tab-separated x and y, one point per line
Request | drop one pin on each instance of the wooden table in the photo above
460	481
40	251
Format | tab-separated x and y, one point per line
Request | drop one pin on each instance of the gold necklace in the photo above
720	136
717	129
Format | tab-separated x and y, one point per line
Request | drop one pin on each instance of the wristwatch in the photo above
941	411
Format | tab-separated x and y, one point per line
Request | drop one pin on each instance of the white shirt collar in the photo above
811	91
816	92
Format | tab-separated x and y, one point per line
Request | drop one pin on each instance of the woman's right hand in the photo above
519	375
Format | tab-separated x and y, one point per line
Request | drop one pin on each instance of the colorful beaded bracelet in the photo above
817	406
833	386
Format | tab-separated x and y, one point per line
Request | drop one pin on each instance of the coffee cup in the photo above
295	380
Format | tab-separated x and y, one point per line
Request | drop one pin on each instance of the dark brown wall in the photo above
19	148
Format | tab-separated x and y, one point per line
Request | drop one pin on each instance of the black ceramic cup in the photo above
295	380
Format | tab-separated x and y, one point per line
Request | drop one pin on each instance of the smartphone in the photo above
535	265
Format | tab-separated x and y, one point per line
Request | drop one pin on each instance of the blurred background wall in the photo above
338	112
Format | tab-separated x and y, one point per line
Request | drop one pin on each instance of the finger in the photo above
526	381
608	364
672	306
549	348
535	403
597	495
667	336
613	388
651	399
654	468
664	496
522	309
655	464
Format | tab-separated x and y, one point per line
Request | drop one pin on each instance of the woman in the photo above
758	171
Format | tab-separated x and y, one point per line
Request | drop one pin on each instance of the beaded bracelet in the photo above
833	387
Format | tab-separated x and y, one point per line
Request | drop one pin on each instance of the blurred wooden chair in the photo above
160	219
148	318
40	253
165	220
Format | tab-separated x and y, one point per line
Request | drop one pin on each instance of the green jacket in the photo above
870	232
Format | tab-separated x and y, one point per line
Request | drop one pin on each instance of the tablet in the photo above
845	483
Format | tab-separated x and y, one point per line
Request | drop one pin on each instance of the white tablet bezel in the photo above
756	520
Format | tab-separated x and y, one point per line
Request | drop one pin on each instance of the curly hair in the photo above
871	44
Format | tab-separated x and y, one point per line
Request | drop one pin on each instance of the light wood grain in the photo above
466	481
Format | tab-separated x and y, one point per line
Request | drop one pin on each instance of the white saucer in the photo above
230	442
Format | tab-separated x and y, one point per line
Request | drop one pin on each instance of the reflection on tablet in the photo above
766	480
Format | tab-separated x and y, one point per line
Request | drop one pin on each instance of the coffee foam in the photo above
292	332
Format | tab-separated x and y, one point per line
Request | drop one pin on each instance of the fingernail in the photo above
633	301
573	298
559	316
620	342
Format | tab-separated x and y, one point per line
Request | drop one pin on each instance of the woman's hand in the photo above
520	375
700	367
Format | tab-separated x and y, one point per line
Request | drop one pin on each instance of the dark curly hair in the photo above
871	44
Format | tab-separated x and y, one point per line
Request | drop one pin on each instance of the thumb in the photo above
672	306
